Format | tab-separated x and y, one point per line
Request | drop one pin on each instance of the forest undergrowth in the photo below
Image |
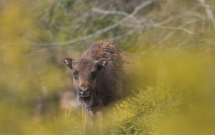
180	100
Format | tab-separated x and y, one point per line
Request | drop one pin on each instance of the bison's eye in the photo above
94	74
75	75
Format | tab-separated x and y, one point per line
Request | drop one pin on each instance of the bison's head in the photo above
85	73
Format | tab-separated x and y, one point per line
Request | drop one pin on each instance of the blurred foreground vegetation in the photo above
176	37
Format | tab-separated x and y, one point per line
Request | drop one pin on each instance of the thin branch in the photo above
160	24
176	17
136	10
208	11
177	28
180	27
124	35
172	18
106	12
134	26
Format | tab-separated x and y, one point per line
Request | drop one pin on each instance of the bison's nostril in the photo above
84	90
87	90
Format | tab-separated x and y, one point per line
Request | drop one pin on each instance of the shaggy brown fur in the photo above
100	75
99	70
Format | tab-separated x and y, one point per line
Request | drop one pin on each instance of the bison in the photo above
99	75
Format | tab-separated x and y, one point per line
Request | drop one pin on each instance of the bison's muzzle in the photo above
84	91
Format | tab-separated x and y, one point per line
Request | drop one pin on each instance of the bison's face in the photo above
85	73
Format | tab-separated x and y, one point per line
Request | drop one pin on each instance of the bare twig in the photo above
136	10
208	11
177	17
180	27
106	12
139	24
124	35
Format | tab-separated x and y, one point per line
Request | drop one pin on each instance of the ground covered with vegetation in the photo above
176	38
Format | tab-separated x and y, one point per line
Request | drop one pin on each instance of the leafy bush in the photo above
182	103
140	114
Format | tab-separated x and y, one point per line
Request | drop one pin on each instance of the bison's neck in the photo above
85	101
103	94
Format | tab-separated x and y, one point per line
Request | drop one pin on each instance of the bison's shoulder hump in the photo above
101	49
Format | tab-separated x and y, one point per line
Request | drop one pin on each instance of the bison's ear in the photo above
68	62
102	62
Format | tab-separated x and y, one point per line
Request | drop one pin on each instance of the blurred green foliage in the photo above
36	35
